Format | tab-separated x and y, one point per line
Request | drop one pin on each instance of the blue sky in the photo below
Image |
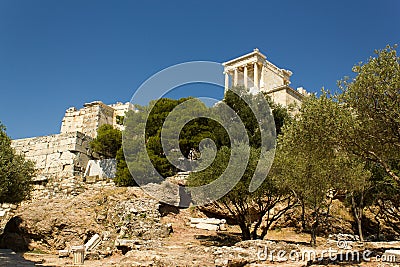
57	54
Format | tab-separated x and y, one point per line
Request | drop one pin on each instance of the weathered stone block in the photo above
93	242
206	226
63	253
52	160
2	213
40	161
91	179
207	220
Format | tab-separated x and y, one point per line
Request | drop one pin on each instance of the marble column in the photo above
245	76
262	83
235	77
226	81
256	75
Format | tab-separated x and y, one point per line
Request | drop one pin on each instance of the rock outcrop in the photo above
59	223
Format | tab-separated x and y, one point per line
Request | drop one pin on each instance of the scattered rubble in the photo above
345	237
94	218
251	251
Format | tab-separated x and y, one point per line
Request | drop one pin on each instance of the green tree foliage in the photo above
385	197
107	142
156	112
280	113
373	97
122	176
16	173
244	112
371	131
132	154
313	161
250	210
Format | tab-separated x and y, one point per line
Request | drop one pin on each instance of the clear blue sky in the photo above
57	54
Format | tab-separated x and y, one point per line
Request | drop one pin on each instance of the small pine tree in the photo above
107	142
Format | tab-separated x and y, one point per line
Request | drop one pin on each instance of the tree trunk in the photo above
378	232
358	214
313	241
360	233
258	224
314	228
245	231
303	216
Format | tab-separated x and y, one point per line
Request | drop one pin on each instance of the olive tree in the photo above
312	159
16	172
373	97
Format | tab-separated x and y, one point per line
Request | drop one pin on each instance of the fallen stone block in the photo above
221	262
206	226
346	237
93	242
106	235
2	213
63	253
207	220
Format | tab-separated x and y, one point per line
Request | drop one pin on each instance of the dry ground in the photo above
190	247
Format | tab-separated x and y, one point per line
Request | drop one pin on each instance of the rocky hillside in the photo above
133	229
58	223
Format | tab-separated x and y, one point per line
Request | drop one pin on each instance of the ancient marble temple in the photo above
254	71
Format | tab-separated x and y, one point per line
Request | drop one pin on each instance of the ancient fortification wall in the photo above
119	111
67	154
58	155
88	119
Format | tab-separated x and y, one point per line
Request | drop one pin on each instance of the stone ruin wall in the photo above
88	119
58	155
272	79
66	154
61	159
288	96
119	110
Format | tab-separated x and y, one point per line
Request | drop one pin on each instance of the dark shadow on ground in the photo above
219	240
13	236
166	209
9	258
